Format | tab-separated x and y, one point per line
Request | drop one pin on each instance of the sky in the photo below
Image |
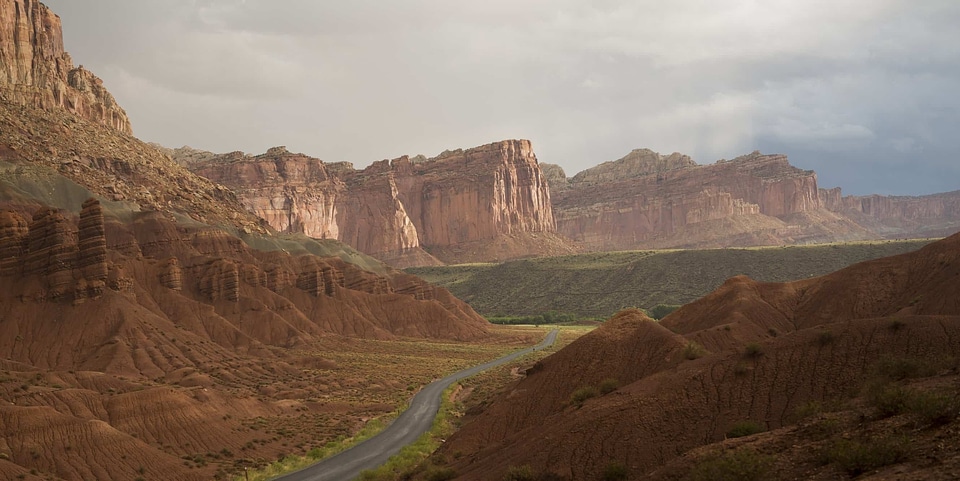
865	92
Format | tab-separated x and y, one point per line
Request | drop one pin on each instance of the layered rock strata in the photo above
392	209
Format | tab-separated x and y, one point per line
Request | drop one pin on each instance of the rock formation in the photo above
13	237
936	215
171	275
35	69
393	209
648	200
51	252
92	243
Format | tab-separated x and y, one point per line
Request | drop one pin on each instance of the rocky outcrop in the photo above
92	244
936	215
35	69
171	274
649	200
14	232
51	251
638	163
392	209
219	280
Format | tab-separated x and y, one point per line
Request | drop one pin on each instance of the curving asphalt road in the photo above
415	421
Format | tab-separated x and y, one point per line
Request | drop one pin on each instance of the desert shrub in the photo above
662	310
739	465
740	369
897	324
807	409
694	350
744	428
520	473
609	385
440	474
890	400
899	368
615	471
857	457
933	408
825	338
581	395
753	350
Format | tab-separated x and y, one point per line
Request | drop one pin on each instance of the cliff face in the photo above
650	200
394	209
936	215
35	70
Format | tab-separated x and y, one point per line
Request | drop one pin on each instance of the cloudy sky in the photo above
865	92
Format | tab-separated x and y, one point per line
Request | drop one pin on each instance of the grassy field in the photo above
601	283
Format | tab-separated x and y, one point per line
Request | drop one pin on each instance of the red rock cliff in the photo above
392	209
649	200
936	215
35	70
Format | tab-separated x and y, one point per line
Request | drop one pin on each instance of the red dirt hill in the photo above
768	350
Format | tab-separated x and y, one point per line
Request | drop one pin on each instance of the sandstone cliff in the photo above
35	69
936	215
647	200
486	201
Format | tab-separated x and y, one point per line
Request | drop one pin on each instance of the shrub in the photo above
744	428
694	350
581	395
739	465
890	400
825	338
753	350
808	409
440	474
615	471
897	324
857	457
609	385
520	473
740	369
933	408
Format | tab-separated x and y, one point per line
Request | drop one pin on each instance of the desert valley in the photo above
178	314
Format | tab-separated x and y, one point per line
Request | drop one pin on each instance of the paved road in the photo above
406	429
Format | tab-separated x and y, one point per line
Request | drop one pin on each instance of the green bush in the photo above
739	465
744	428
933	408
609	385
890	400
753	350
858	457
440	474
581	395
615	471
694	350
520	473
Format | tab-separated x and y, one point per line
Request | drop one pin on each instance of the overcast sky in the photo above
865	92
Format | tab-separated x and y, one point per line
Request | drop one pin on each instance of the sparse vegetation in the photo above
520	473
825	338
609	385
595	285
694	350
660	311
753	350
860	456
739	465
744	428
615	471
581	395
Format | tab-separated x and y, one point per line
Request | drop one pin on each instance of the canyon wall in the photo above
35	70
395	210
936	215
649	200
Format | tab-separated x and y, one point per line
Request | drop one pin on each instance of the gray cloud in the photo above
856	89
